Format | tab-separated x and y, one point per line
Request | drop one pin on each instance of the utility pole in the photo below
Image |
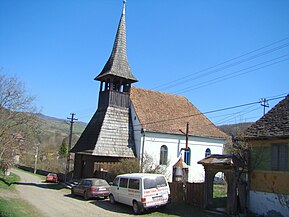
187	136
72	119
36	157
265	103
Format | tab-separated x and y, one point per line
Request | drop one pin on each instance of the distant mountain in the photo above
58	119
54	130
235	129
52	134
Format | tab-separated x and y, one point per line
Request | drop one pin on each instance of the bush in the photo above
128	165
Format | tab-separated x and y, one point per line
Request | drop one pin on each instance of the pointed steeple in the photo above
117	64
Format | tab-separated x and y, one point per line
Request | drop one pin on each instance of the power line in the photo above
208	112
180	80
234	74
234	117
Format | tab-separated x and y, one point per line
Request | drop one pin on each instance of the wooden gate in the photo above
192	193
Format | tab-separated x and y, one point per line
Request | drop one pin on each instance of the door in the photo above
123	191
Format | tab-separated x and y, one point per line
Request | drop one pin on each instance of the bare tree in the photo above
17	119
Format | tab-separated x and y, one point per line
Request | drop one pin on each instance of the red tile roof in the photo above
168	113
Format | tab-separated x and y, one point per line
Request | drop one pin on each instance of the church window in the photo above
164	155
208	152
188	156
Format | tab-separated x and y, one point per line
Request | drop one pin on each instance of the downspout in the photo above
142	149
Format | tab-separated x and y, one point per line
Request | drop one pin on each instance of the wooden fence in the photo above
192	193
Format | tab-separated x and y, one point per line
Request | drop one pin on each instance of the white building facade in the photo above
165	148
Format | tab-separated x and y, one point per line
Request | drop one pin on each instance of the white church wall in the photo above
137	131
175	142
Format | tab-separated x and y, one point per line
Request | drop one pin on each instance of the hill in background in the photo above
52	133
235	129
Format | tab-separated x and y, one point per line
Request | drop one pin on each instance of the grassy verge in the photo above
6	181
16	208
12	206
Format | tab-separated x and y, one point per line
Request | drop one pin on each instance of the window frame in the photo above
187	156
132	184
279	157
164	155
122	181
208	152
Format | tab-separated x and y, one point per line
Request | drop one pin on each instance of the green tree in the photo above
128	165
63	149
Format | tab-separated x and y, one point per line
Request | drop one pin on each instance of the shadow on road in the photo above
117	208
4	181
52	186
105	204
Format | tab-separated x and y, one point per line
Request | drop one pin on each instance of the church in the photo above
131	122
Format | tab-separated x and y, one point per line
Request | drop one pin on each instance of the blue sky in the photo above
57	48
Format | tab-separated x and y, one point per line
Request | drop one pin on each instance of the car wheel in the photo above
72	191
86	196
111	199
137	209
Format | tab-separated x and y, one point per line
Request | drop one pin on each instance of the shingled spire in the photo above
117	64
109	137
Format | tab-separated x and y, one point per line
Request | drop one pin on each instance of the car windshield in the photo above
155	182
100	182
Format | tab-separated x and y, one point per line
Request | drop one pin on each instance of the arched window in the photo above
188	156
208	152
164	155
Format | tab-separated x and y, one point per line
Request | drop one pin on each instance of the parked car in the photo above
141	191
52	177
91	188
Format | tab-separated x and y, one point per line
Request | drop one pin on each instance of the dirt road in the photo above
53	202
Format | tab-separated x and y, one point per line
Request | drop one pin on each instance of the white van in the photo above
140	190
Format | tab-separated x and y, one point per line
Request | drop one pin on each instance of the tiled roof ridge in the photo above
159	92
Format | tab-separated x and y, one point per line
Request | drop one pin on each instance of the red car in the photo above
52	177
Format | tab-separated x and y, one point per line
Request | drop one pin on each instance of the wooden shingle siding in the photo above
117	64
109	133
116	137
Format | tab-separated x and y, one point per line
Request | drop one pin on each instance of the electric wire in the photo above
233	74
208	112
178	81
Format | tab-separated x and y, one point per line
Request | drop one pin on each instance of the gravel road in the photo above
53	202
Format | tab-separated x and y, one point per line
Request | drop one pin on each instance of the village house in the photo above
132	122
269	164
